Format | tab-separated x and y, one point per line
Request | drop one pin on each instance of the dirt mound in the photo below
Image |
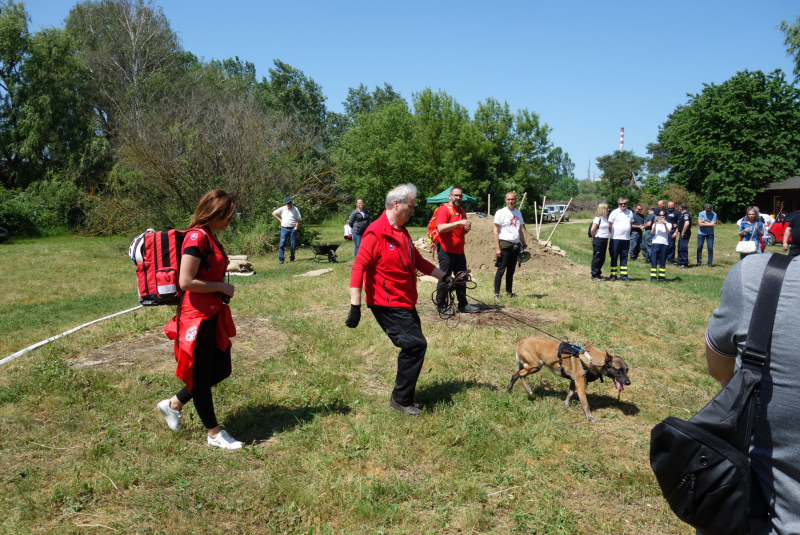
152	351
480	252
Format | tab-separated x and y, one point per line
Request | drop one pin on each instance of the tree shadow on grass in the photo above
257	424
596	401
443	392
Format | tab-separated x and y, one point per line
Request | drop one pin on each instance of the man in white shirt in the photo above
619	230
508	243
289	217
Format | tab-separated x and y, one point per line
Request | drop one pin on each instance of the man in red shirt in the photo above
387	265
453	226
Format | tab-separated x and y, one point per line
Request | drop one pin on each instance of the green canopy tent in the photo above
444	197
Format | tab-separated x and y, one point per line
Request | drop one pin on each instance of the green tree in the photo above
620	171
377	154
360	100
729	141
47	129
290	91
791	39
130	53
14	47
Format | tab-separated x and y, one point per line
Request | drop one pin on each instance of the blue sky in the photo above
586	67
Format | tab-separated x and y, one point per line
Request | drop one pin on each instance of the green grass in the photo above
84	446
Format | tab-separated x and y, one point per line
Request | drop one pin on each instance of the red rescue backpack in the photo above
433	232
157	255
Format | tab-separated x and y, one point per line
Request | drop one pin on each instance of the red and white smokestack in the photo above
621	139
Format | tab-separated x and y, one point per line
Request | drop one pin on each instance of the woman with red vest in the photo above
387	265
203	326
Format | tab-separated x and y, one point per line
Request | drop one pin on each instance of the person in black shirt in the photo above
647	241
637	226
682	236
672	218
793	230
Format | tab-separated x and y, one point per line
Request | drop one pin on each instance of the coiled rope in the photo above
448	309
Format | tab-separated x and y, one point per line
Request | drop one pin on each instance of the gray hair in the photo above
401	194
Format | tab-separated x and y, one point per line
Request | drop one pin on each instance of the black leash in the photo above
449	310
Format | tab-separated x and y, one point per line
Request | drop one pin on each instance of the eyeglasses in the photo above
623	204
459	195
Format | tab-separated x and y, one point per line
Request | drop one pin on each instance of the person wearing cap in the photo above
289	217
647	241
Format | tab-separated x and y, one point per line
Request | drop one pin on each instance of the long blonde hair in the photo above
214	205
602	210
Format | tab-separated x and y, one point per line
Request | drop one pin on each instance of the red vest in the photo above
197	307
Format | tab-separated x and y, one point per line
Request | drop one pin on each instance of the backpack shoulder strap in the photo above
759	335
204	260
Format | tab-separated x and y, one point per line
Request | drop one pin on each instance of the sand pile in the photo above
480	251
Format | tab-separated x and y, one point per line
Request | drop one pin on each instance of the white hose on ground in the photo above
56	337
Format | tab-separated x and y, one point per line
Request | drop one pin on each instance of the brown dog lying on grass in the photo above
581	368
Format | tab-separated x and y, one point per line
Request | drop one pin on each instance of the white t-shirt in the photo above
661	233
510	223
602	227
289	218
347	230
621	224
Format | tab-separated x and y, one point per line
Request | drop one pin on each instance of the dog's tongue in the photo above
619	386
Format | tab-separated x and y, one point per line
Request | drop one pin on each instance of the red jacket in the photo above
387	263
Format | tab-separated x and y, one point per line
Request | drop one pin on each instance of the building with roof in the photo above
780	197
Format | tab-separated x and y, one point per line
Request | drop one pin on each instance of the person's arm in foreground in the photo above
720	367
786	234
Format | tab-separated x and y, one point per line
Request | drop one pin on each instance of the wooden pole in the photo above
489	205
536	219
544	200
522	201
557	222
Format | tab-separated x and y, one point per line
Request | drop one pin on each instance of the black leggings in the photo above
210	367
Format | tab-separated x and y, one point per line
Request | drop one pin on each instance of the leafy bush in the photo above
677	194
44	207
260	235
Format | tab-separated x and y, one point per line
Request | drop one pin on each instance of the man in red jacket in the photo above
387	265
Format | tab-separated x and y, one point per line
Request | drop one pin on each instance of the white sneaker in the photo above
172	416
225	441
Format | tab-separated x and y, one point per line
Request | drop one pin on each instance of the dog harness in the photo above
568	350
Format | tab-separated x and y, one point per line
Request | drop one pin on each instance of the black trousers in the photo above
451	263
404	329
508	264
211	366
671	247
599	248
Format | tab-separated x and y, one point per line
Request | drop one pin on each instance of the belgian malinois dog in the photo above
580	368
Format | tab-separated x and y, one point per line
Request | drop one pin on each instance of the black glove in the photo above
448	280
353	317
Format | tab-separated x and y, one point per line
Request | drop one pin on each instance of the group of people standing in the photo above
662	237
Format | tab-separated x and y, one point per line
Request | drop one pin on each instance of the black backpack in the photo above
702	465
